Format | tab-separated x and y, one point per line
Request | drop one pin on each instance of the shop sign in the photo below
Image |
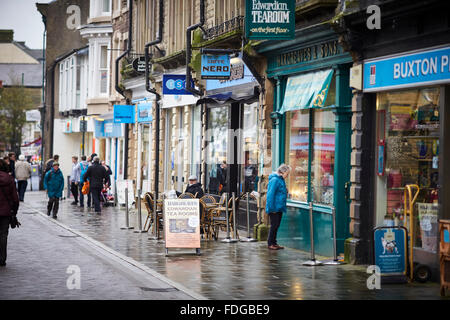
67	126
303	55
182	223
270	19
427	67
124	113
215	66
391	250
240	74
175	84
139	65
145	112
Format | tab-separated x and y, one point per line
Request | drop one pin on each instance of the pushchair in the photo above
106	197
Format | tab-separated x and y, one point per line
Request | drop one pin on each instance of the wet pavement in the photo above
228	271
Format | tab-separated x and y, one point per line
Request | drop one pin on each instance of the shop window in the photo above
250	145
407	151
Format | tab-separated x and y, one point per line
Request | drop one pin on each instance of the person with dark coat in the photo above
54	184
222	176
97	175
9	204
12	164
194	187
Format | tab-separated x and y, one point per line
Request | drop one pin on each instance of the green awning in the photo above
307	90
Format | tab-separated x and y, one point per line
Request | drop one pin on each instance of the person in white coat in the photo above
23	173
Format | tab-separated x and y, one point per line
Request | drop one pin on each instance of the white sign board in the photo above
121	185
182	223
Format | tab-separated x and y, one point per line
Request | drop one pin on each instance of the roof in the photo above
11	73
12	53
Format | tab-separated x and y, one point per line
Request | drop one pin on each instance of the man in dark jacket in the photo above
9	204
97	176
194	187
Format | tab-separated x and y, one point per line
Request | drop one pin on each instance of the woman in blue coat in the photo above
54	184
276	203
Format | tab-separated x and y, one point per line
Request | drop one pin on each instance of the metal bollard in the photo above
335	260
248	239
313	261
228	238
127	219
139	214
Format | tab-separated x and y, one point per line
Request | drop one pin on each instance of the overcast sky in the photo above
22	16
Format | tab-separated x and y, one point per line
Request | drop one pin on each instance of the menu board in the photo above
182	223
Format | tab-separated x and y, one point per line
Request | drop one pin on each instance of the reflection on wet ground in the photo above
230	271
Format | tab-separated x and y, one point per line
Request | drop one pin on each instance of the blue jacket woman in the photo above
54	182
276	203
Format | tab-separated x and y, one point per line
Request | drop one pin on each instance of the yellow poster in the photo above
182	223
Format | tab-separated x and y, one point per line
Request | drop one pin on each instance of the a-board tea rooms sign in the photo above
274	20
182	223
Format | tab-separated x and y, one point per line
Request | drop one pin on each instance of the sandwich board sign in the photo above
182	223
390	249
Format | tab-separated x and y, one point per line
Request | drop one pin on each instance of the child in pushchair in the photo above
106	197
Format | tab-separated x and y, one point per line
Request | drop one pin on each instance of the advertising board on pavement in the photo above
182	223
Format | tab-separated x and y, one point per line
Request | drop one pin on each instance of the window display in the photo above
411	125
299	131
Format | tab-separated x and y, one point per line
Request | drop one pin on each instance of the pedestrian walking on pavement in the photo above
109	173
54	184
49	163
9	204
74	179
276	203
80	170
97	175
12	164
23	173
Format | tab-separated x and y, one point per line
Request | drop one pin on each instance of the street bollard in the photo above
313	261
127	219
228	238
139	214
335	260
248	239
234	217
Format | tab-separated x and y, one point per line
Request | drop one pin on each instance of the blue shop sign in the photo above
124	113
145	112
240	74
215	66
427	67
390	248
107	129
175	84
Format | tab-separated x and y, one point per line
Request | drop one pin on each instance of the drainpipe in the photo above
44	20
119	89
158	96
189	49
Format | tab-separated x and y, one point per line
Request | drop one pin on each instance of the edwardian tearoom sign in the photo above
269	19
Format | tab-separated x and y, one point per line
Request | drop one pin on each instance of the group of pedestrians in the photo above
87	170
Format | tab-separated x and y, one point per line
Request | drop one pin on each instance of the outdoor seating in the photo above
207	203
150	205
186	195
218	218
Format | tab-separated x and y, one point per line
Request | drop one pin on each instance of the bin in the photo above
444	251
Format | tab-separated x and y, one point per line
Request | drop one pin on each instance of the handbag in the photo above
14	222
85	189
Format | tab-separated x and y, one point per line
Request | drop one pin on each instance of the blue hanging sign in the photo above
124	113
426	67
390	248
215	66
145	112
175	84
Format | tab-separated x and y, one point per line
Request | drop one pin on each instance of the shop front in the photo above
410	91
311	132
231	139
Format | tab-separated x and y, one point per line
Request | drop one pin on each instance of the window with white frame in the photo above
99	8
99	69
72	83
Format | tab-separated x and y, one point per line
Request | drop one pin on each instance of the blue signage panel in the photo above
145	112
124	113
391	250
413	69
215	66
107	129
175	84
